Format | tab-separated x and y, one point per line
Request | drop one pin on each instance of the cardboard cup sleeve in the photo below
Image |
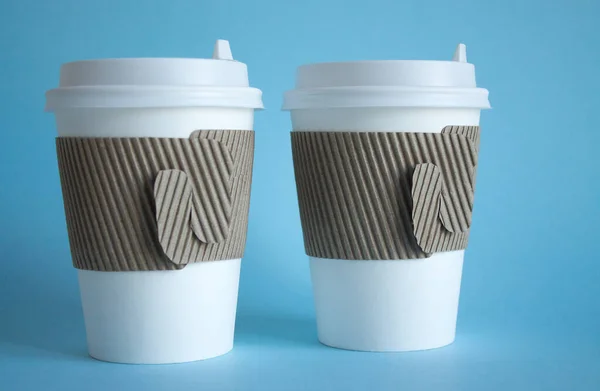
156	203
385	195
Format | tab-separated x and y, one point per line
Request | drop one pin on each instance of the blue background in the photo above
529	312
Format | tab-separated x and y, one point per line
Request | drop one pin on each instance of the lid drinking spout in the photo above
460	54
222	50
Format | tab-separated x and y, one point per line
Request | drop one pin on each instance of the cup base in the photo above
117	360
387	305
161	317
386	349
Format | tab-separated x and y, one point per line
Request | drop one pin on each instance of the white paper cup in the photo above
386	305
157	317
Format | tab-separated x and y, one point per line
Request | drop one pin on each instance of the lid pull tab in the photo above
222	50
460	54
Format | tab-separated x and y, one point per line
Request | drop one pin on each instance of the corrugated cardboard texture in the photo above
109	195
355	192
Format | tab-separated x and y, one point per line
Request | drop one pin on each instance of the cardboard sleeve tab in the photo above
384	195
156	203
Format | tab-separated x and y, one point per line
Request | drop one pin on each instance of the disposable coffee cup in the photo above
392	304
157	316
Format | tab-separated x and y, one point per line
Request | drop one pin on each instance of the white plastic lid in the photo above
156	82
404	83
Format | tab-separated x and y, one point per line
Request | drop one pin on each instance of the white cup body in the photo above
386	305
158	317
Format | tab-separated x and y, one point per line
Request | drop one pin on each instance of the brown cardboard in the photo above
355	192
173	196
108	189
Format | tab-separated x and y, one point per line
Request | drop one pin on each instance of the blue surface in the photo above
529	313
